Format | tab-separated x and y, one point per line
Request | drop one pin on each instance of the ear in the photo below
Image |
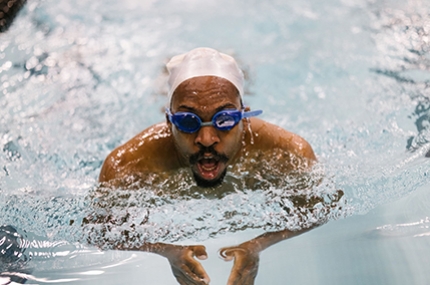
246	121
168	123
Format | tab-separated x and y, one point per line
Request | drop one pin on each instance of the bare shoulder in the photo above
150	150
268	136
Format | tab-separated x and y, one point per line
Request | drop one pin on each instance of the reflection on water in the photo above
415	229
404	36
422	122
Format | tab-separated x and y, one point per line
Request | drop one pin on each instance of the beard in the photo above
195	158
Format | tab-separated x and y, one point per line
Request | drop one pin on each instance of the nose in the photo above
207	136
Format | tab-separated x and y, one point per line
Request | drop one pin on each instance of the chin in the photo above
201	182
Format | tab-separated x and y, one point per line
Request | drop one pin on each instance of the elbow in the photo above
309	153
109	170
305	151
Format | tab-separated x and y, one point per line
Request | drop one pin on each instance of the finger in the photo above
235	278
249	275
229	253
200	252
243	272
241	276
194	271
240	271
184	280
196	268
181	281
200	273
184	277
248	280
180	277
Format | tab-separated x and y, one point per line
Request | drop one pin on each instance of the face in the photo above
208	151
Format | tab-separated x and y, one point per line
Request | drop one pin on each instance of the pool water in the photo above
78	78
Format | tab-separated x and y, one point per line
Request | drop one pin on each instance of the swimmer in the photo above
209	131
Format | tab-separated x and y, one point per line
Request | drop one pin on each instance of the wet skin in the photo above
162	147
208	153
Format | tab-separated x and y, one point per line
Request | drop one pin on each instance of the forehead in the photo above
205	92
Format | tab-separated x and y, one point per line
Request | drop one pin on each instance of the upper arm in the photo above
111	168
107	171
122	161
151	150
302	147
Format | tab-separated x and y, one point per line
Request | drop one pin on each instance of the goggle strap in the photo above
251	113
169	114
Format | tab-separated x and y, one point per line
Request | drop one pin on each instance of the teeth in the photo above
208	168
208	164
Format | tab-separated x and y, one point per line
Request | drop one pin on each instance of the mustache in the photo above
204	150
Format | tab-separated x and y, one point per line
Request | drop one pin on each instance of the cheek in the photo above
233	141
183	142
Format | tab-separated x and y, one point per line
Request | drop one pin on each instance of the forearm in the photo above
162	249
268	239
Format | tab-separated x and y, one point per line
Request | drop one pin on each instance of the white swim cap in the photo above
203	62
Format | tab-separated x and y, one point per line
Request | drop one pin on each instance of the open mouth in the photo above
209	167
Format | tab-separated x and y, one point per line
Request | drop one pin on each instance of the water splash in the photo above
251	133
130	217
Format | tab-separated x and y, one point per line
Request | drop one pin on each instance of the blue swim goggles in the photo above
224	120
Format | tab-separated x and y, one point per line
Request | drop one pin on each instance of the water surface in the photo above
80	78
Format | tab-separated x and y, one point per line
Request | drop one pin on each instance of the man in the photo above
209	131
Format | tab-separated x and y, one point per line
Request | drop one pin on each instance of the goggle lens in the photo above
186	122
226	121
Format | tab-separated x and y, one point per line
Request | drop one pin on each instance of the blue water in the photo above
79	78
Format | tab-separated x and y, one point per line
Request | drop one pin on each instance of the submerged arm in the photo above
246	255
185	268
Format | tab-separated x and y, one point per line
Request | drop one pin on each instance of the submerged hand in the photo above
245	267
186	269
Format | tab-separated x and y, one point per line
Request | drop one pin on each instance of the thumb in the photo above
229	253
199	251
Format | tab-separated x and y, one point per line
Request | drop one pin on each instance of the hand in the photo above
245	267
186	269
